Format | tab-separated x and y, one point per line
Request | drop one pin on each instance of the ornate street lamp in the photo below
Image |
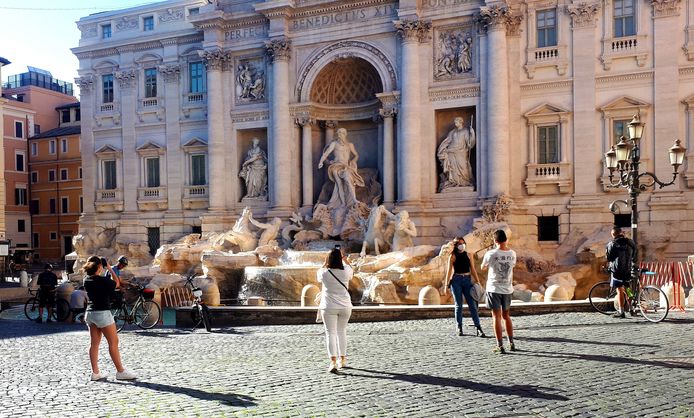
625	157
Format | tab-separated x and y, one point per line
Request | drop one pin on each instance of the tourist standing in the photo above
500	262
335	306
99	318
461	269
48	282
78	303
621	253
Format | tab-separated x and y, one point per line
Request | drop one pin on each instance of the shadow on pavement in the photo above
230	399
667	364
563	340
524	391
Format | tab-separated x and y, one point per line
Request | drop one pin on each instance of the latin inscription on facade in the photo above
245	33
342	17
434	4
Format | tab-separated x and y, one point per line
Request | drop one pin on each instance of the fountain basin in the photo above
278	285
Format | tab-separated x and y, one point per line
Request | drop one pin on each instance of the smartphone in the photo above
104	262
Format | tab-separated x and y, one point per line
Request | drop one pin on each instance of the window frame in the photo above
52	147
200	80
106	31
37	206
64	146
34	177
35	240
107	88
149	181
192	173
21	222
622	18
52	206
148	23
20	199
19	128
67	174
150	80
52	175
545	28
63	114
53	236
105	178
64	204
34	149
21	154
557	140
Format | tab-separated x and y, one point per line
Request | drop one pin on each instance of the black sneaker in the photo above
460	332
512	347
499	349
619	315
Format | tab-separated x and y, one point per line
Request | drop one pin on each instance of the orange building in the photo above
55	171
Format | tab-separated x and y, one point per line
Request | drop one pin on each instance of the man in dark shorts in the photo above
621	253
500	262
47	282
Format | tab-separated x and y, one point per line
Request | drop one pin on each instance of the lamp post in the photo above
625	157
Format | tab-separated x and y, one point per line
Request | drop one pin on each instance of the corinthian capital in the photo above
665	8
279	49
214	58
170	72
497	17
583	15
85	83
126	78
413	30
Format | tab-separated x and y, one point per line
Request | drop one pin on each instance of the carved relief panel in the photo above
454	52
250	80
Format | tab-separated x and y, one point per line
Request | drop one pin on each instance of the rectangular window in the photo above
152	166
37	129
109	167
34	149
148	23
51	206
21	225
548	228
620	128
196	70
63	145
35	240
105	31
624	18
51	175
81	205
64	205
19	161
107	88
194	11
65	116
548	144
78	116
18	129
53	236
34	176
546	28
34	206
63	174
20	196
151	82
153	240
79	173
51	146
198	175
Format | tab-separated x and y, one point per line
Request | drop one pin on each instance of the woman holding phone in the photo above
99	318
335	306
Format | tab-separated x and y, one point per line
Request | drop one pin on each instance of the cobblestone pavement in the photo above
571	364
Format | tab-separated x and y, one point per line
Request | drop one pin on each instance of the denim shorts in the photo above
100	319
499	301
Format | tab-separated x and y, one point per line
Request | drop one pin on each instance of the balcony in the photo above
109	200
150	106
624	47
195	197
545	179
152	198
108	113
551	56
194	102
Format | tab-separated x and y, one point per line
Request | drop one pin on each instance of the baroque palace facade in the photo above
174	94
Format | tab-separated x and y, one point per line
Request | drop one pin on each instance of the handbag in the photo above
477	292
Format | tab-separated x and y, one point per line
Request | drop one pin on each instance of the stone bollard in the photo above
23	278
556	293
429	295
309	295
255	301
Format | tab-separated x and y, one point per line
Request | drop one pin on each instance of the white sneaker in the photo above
99	376
126	375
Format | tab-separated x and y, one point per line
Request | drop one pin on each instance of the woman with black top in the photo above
99	318
460	267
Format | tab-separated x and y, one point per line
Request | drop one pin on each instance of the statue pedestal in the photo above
455	197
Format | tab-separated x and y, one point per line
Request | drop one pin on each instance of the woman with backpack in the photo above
335	306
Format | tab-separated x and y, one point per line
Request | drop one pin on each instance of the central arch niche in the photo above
346	81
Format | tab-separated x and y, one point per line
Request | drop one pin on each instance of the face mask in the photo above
461	247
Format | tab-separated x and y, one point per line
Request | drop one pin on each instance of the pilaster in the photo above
175	170
130	178
89	166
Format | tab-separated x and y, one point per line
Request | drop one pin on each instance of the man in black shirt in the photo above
47	282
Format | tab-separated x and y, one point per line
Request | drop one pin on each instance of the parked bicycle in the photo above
145	312
650	301
61	308
200	313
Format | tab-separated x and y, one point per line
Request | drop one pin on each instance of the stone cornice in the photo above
170	72
445	94
665	8
142	46
331	8
611	79
279	49
214	58
552	85
583	15
413	30
126	78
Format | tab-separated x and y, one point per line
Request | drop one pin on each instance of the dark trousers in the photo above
460	286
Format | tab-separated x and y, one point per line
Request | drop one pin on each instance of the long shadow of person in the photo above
230	399
665	363
523	391
563	340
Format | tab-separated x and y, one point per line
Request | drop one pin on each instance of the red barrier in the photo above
663	272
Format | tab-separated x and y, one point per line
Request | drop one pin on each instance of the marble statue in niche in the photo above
454	156
342	171
250	81
254	171
454	54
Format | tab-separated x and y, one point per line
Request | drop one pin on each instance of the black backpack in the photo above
620	254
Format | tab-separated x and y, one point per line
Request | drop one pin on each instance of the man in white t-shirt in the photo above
78	303
500	262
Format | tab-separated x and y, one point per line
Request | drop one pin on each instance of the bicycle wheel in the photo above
602	298
653	303
147	314
31	309
120	317
61	310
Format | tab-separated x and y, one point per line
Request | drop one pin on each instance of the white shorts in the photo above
100	319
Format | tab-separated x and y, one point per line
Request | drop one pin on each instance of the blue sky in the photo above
40	33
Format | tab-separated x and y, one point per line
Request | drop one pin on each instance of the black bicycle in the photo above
61	308
145	313
651	301
200	313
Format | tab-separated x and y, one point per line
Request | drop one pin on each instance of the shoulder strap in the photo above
338	280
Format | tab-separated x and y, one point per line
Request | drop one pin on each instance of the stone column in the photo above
412	33
130	182
587	147
496	20
214	60
388	114
89	161
279	167
305	122
175	172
